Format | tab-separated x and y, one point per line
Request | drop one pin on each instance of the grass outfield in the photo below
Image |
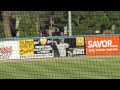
63	68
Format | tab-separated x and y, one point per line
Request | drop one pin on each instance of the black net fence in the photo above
60	44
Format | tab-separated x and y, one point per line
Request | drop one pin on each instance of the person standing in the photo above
65	30
62	47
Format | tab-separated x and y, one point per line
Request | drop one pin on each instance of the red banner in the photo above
102	45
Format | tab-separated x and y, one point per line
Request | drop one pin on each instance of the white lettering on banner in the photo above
112	49
91	50
115	49
100	49
102	43
36	49
36	42
43	51
46	46
78	51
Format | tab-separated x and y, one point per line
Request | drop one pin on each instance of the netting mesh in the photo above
60	44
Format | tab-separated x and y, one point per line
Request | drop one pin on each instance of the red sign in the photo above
102	45
5	49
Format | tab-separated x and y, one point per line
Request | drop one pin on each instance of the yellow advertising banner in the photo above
26	47
80	41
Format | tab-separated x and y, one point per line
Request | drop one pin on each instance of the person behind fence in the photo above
62	47
40	31
65	30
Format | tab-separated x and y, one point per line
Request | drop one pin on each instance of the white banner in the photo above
9	50
36	56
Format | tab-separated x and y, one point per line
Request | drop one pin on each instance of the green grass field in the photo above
68	68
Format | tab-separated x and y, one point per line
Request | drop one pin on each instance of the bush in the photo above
82	30
117	30
107	31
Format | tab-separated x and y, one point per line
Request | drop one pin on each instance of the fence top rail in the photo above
57	37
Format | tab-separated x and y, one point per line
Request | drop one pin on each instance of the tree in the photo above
26	27
6	23
114	17
83	22
59	18
88	21
2	35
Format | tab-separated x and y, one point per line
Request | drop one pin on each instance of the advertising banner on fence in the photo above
26	48
61	47
80	46
9	50
42	49
102	45
48	48
80	41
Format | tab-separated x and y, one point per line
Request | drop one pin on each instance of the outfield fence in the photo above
56	45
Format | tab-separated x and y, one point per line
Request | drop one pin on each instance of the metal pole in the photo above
69	23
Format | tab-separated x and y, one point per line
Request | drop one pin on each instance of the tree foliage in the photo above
26	24
89	21
83	22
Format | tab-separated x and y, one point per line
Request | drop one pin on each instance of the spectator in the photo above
40	31
65	30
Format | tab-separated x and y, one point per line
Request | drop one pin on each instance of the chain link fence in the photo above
60	44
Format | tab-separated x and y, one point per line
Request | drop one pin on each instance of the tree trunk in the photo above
78	21
38	25
113	28
6	23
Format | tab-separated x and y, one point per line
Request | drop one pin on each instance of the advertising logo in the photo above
102	45
5	52
43	40
26	47
80	41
